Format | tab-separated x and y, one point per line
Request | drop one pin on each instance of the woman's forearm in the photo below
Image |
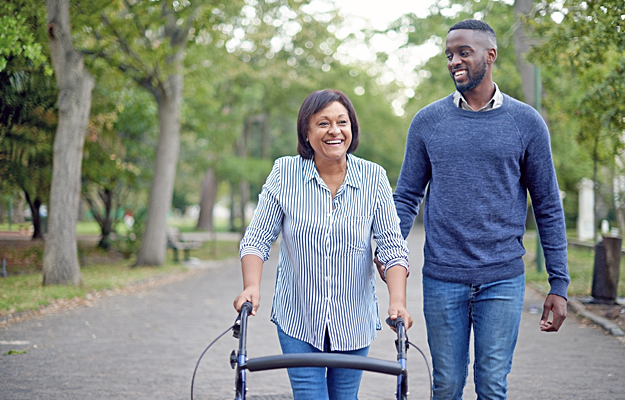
396	280
252	270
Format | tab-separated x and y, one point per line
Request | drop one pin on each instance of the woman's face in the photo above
330	133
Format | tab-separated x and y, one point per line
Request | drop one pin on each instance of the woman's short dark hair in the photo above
315	102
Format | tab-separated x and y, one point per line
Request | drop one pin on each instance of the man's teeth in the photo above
459	73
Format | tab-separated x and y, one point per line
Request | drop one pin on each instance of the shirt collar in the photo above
495	102
352	178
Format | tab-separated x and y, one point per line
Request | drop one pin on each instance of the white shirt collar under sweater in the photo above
495	102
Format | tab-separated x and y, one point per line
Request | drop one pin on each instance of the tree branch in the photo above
125	45
140	27
94	209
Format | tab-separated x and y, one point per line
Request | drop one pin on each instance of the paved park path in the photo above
145	344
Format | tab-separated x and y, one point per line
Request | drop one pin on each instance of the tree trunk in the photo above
245	197
18	209
105	219
60	256
153	245
207	203
233	210
35	207
107	223
521	46
243	145
81	214
595	191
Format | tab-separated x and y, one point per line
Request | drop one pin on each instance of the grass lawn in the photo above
22	290
581	265
92	227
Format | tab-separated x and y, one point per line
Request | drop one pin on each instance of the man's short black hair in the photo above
477	25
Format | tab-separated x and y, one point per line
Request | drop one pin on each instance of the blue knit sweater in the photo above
477	168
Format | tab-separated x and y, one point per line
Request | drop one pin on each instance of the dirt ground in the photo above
614	313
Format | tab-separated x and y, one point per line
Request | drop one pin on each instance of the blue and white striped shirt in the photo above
326	276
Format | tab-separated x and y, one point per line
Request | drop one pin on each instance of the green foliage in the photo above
589	47
28	119
15	352
22	34
144	39
129	242
109	174
584	65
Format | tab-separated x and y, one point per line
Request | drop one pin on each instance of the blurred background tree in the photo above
194	100
584	64
27	111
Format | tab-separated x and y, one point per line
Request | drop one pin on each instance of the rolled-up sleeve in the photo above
267	220
392	248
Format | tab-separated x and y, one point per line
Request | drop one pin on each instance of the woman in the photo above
327	204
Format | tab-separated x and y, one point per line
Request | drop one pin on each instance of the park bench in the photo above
176	242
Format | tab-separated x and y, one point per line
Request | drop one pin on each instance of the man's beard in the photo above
473	81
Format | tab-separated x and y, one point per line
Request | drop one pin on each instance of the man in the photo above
477	153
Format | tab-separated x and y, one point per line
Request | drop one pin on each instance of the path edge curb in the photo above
609	326
579	309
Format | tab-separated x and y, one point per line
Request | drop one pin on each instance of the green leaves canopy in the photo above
21	33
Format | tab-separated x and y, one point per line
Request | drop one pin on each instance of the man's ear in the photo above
491	55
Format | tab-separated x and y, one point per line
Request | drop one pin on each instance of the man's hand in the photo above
380	267
557	305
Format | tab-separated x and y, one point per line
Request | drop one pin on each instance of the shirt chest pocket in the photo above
354	232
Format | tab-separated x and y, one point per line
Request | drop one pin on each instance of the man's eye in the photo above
448	56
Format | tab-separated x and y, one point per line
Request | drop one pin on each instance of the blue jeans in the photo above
314	383
493	311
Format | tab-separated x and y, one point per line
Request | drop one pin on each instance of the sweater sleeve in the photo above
539	176
414	176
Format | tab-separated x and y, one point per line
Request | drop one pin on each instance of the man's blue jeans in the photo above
493	311
316	383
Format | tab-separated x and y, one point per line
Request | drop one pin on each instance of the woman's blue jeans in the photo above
493	311
314	383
